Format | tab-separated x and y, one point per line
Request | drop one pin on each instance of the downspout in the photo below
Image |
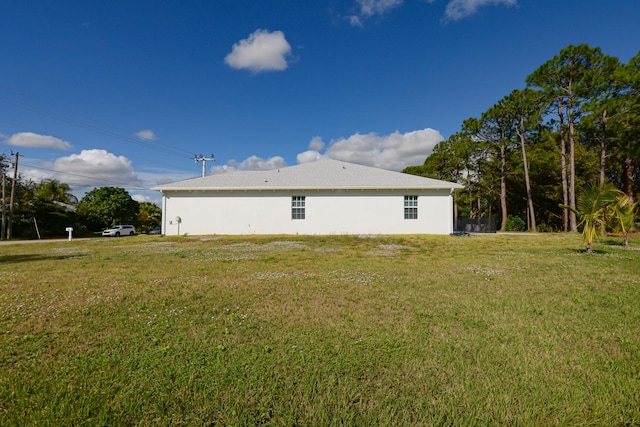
164	216
453	213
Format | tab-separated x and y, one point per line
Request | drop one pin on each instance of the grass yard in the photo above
311	330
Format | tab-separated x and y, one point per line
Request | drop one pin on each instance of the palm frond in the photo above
596	205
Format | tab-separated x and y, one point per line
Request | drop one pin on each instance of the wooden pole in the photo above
4	207
36	224
13	190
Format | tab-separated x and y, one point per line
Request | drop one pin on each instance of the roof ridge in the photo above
322	174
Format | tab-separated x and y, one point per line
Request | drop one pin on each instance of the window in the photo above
297	207
410	207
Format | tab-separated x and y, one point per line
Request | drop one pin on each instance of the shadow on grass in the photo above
15	259
584	251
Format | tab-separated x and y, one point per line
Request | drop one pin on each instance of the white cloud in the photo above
369	8
316	143
376	7
458	9
145	198
455	10
313	153
261	51
253	163
308	156
36	175
141	198
33	140
156	176
96	168
146	135
393	152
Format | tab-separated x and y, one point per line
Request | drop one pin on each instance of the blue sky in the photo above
125	93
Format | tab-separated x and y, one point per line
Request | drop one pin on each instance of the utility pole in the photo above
13	191
204	162
4	206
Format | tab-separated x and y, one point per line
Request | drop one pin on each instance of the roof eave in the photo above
293	188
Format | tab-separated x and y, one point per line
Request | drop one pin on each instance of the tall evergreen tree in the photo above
628	137
569	80
494	129
604	106
521	108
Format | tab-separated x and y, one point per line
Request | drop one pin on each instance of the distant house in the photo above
323	197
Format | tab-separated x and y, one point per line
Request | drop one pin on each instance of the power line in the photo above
121	134
88	177
28	107
124	135
129	155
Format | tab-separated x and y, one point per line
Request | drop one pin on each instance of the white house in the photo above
323	197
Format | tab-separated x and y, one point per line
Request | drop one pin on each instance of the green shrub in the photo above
515	223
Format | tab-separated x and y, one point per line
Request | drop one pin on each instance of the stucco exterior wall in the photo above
340	212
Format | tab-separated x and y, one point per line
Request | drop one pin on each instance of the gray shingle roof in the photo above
324	174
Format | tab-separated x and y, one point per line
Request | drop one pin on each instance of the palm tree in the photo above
52	190
594	210
626	214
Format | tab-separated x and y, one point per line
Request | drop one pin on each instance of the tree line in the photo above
527	160
45	209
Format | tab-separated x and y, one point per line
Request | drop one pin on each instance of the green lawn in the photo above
320	330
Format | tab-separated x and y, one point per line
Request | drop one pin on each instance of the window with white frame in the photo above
410	207
297	207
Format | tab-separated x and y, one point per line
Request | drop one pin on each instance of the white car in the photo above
119	230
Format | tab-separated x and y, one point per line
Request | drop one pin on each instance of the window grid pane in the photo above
410	207
298	207
410	213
